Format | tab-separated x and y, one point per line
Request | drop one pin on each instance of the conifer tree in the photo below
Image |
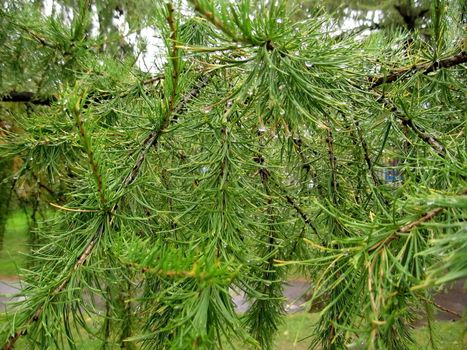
268	140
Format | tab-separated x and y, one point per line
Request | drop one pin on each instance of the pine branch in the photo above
429	139
150	141
87	147
43	100
410	226
30	97
152	138
58	197
303	215
426	68
445	309
265	175
332	162
298	147
366	154
211	17
24	28
173	57
269	282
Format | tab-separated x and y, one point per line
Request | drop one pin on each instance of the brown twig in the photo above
427	138
410	226
174	59
440	307
445	309
303	215
431	140
332	162
28	97
211	17
426	68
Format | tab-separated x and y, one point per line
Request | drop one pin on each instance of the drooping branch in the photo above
303	215
426	68
266	176
76	113
150	141
332	162
366	154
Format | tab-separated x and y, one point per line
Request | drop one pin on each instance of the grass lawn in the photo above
14	245
448	335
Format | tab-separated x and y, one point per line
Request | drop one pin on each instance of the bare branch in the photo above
28	97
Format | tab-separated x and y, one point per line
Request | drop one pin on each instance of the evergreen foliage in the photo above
266	141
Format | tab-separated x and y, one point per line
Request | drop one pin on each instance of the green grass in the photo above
15	244
297	327
448	335
292	336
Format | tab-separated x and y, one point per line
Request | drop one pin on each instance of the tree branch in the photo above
426	68
88	249
28	97
426	137
31	97
411	225
429	139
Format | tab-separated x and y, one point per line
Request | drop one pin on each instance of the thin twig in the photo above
211	17
440	307
87	146
332	162
427	138
431	140
28	97
303	215
410	226
427	67
74	209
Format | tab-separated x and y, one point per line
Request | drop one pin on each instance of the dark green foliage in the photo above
264	141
